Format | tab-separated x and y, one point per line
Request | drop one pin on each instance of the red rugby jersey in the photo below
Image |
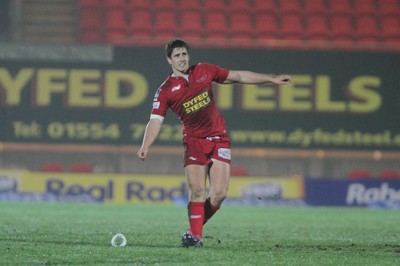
193	101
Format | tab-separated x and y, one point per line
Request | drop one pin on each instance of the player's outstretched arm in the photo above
152	130
249	77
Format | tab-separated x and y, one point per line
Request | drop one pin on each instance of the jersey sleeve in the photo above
160	102
219	73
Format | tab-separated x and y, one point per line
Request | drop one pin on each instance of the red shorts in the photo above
201	151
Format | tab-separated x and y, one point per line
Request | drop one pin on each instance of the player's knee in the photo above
197	194
219	197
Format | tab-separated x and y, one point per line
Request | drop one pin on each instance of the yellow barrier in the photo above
124	188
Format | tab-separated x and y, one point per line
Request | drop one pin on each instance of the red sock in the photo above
196	217
209	210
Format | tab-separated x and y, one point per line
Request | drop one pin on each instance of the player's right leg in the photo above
196	176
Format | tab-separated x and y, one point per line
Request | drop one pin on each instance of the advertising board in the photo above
337	99
143	189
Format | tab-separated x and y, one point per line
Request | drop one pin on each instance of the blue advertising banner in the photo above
362	193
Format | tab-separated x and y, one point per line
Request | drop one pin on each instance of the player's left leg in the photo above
219	184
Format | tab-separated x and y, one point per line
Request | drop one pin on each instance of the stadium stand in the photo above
216	25
52	167
114	4
390	28
239	7
356	174
340	7
348	24
311	7
239	171
215	6
165	24
367	28
193	5
264	7
38	21
316	27
116	23
139	5
389	174
289	7
241	26
140	23
364	7
389	8
266	26
191	24
164	5
90	18
81	168
291	26
342	27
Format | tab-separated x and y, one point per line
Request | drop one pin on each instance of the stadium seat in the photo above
241	27
389	174
90	19
90	25
116	20
115	4
89	3
192	5
390	29
239	171
366	28
356	174
316	28
165	24
81	168
340	7
216	25
364	7
291	27
115	36
139	5
52	167
289	7
215	6
191	24
141	23
239	7
265	7
164	5
312	7
91	36
342	28
389	8
266	26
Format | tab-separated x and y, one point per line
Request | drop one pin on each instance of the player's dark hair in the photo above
175	43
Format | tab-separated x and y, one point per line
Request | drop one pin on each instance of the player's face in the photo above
179	60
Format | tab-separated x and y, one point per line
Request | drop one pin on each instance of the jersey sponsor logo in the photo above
156	105
224	153
176	88
202	78
197	103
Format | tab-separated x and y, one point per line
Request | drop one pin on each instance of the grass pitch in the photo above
80	234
